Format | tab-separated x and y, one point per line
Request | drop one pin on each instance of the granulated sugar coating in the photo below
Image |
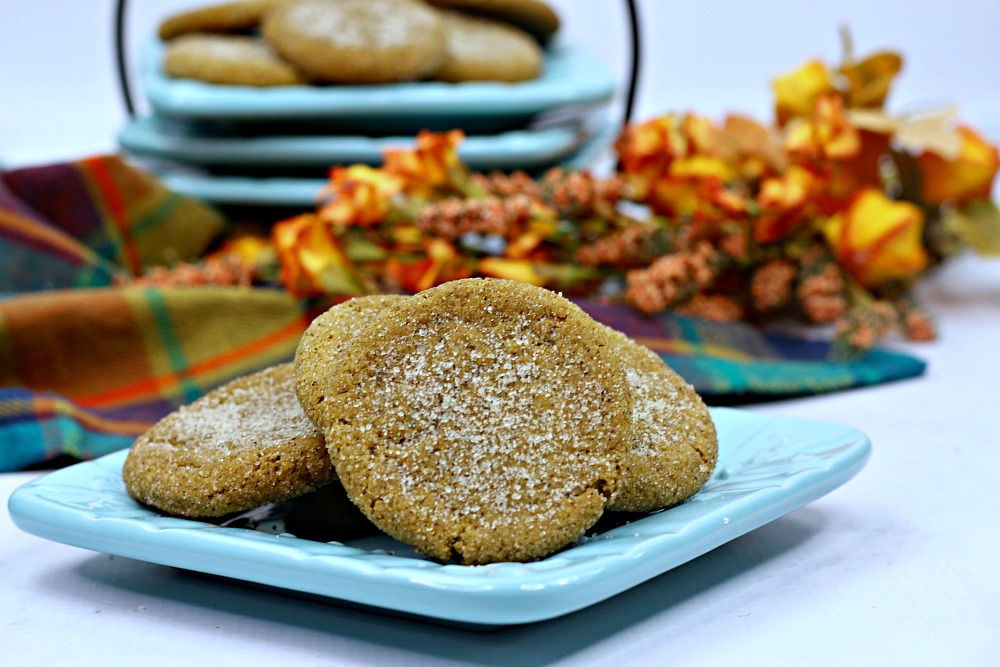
480	421
243	445
483	50
323	342
674	444
357	41
228	59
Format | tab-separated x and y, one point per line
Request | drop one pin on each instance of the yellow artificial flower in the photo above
876	239
521	270
964	178
795	93
825	134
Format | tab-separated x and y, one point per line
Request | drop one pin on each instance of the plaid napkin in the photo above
85	367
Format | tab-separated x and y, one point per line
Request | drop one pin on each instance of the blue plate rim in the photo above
571	76
153	137
769	466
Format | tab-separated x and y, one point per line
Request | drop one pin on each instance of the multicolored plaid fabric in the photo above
78	224
86	367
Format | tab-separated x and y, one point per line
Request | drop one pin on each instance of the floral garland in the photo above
828	216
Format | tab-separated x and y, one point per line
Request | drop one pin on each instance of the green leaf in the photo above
978	225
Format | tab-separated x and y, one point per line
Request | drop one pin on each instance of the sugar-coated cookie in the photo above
674	445
533	16
324	340
228	59
358	41
241	16
240	446
484	50
479	421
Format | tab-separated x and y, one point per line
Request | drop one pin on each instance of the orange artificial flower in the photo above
825	134
523	245
876	239
441	262
754	150
668	160
795	93
313	263
646	150
784	202
650	149
359	196
432	165
963	178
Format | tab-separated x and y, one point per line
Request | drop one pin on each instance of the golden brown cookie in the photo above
238	447
358	41
228	59
534	17
324	340
479	421
230	17
674	445
485	50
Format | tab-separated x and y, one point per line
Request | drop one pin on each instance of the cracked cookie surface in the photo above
674	445
324	341
357	41
479	421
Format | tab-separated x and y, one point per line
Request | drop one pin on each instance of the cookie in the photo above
479	421
224	17
228	59
674	445
324	340
484	50
534	17
245	444
358	41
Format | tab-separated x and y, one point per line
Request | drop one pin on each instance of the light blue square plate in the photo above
767	468
296	191
527	149
571	77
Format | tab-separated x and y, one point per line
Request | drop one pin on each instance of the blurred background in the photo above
60	98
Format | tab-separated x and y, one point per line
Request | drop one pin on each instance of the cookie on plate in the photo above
485	50
245	444
228	17
479	421
323	343
228	59
536	18
674	445
358	41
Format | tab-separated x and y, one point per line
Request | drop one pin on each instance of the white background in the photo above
897	567
59	97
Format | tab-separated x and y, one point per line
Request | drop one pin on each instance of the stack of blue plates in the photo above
274	146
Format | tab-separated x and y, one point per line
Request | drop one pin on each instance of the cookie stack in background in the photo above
253	101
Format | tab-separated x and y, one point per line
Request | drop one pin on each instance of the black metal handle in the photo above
633	78
120	58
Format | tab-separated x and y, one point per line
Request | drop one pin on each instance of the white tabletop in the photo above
897	567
